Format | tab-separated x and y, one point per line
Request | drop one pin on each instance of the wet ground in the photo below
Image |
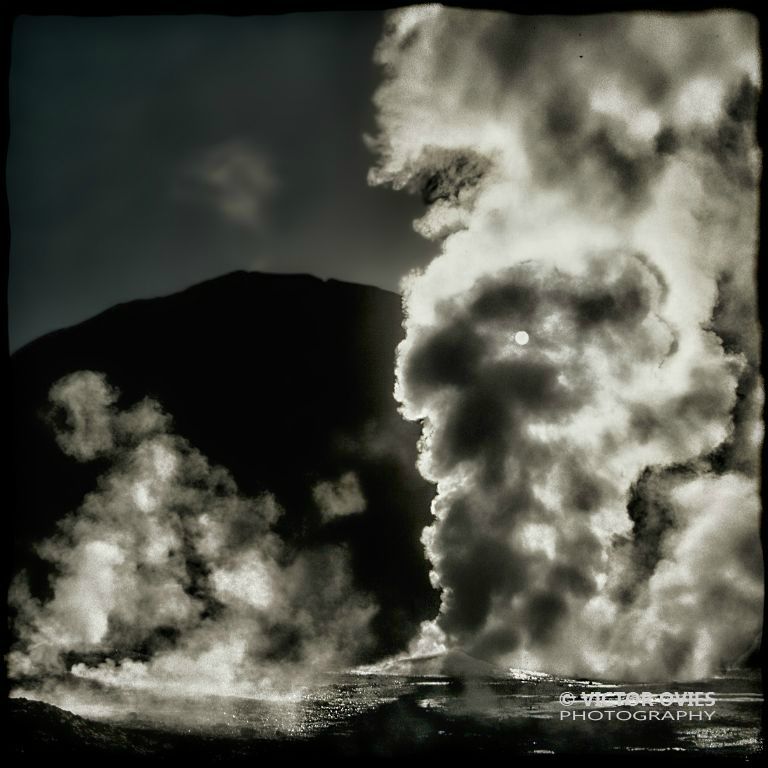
382	715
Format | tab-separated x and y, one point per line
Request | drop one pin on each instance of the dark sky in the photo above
150	153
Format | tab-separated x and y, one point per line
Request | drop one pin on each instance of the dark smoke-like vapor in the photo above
584	351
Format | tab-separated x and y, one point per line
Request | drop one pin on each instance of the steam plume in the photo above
583	352
167	579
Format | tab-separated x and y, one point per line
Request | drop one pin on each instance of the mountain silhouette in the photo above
285	380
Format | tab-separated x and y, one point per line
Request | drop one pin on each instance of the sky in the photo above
150	153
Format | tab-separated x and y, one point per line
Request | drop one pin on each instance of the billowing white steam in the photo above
592	182
167	579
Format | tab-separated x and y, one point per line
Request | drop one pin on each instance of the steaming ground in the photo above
430	714
592	184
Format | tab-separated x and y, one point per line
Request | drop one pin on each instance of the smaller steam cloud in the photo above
167	579
341	498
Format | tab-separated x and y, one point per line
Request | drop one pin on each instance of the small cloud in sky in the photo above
237	179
